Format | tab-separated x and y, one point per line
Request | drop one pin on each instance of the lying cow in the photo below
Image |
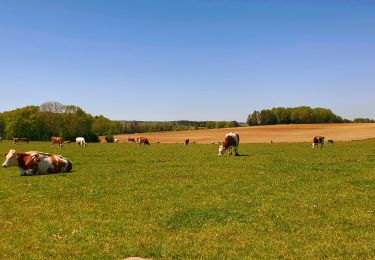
143	140
231	139
33	162
116	140
318	140
81	141
57	140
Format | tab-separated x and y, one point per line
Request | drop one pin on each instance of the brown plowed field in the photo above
263	134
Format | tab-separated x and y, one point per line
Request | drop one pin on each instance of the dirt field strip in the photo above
264	134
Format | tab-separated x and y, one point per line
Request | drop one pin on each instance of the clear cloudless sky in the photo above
188	59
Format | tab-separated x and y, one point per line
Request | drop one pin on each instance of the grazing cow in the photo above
116	140
143	140
131	140
318	140
330	141
33	162
231	139
186	141
157	141
58	141
81	141
17	140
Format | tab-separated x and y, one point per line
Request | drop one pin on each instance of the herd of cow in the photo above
34	162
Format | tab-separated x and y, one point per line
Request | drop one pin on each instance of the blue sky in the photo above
194	59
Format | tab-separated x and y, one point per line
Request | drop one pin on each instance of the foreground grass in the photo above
170	201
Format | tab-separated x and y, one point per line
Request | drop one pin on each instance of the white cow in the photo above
116	140
81	141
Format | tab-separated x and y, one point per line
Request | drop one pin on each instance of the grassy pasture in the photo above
171	201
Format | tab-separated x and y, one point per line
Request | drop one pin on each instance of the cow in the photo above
58	141
131	140
143	140
116	140
17	140
81	141
33	162
231	139
330	141
318	140
186	142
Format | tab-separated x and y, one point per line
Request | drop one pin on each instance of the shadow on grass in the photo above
42	174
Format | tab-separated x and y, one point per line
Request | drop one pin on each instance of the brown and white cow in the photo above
131	140
143	140
57	140
33	162
318	140
186	142
116	140
231	139
17	140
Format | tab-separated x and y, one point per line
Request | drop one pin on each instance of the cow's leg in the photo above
236	151
313	145
229	151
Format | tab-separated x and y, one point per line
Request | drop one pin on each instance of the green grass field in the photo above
171	201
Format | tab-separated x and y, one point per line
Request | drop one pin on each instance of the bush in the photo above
109	138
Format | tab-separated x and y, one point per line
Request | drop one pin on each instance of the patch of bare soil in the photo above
264	134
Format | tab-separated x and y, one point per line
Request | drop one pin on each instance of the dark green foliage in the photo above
294	115
49	119
109	138
363	120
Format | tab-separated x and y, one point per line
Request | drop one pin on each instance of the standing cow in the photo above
58	141
131	140
81	141
33	162
318	140
231	139
143	140
186	142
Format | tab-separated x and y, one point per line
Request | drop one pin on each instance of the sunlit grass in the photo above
171	201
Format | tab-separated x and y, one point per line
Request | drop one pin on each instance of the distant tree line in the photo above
69	121
298	115
130	127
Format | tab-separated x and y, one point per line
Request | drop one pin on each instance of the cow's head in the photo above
10	159
221	150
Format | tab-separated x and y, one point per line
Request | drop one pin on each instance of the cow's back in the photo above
231	139
50	163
